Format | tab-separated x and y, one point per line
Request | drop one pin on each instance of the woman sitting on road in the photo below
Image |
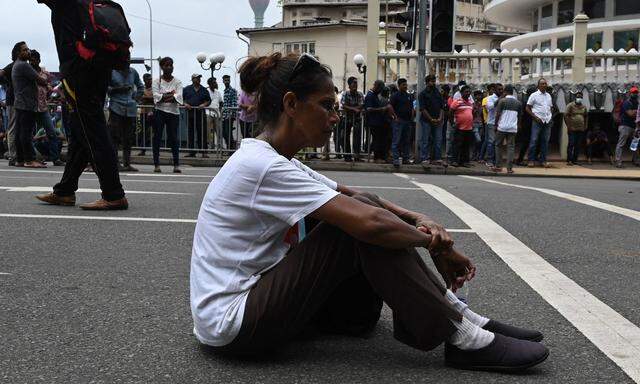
254	287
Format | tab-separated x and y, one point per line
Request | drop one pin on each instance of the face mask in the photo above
578	101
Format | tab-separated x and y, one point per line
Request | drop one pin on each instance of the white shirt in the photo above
245	216
541	104
160	87
458	96
509	114
216	99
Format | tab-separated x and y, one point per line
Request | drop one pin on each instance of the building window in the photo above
595	9
534	20
301	47
546	63
277	47
546	21
294	23
626	7
563	44
566	10
594	41
625	40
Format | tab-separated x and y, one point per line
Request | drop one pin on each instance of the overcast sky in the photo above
29	21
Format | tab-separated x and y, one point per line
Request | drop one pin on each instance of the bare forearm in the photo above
391	232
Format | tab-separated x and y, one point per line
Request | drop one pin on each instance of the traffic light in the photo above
442	26
410	18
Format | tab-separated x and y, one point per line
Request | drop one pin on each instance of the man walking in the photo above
463	114
539	108
196	98
576	119
402	110
508	114
125	89
628	114
431	116
86	87
353	105
229	112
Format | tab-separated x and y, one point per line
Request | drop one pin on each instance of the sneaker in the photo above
176	170
129	168
58	163
157	169
503	354
547	165
12	163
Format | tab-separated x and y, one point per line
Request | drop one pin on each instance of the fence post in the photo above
579	48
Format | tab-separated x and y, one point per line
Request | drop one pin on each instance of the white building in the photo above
335	31
613	24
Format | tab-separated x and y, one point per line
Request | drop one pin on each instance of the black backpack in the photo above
105	33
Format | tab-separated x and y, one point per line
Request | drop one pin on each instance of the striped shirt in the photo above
509	109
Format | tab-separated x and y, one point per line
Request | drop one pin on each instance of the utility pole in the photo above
422	66
373	26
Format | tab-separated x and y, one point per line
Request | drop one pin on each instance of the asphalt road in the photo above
95	301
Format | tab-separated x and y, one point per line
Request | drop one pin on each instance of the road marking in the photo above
85	190
392	188
5	274
122	174
614	335
103	218
578	199
139	219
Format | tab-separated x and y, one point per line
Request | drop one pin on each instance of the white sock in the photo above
464	310
469	336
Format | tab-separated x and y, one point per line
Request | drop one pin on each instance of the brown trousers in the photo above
339	283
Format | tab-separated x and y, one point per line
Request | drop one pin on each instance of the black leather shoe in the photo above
504	354
511	331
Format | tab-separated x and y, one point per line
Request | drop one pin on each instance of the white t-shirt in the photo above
216	99
247	212
160	87
541	104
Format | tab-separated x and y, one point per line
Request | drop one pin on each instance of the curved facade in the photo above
613	24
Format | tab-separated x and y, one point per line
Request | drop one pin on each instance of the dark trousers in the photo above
163	120
247	129
196	127
143	136
25	126
575	145
90	140
351	125
227	132
380	141
43	119
464	140
123	130
339	283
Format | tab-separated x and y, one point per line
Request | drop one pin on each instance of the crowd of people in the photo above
456	125
460	125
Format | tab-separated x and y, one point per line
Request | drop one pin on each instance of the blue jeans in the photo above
488	145
451	146
430	134
575	145
43	119
400	142
540	133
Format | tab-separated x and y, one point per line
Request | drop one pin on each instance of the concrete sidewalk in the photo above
558	169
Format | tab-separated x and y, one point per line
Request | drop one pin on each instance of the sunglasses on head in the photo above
305	62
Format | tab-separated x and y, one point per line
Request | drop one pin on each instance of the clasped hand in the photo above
455	268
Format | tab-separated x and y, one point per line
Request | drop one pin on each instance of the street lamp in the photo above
215	61
150	37
359	61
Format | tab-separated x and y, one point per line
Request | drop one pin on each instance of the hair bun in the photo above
256	70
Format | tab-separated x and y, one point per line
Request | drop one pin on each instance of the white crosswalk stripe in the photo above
614	335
